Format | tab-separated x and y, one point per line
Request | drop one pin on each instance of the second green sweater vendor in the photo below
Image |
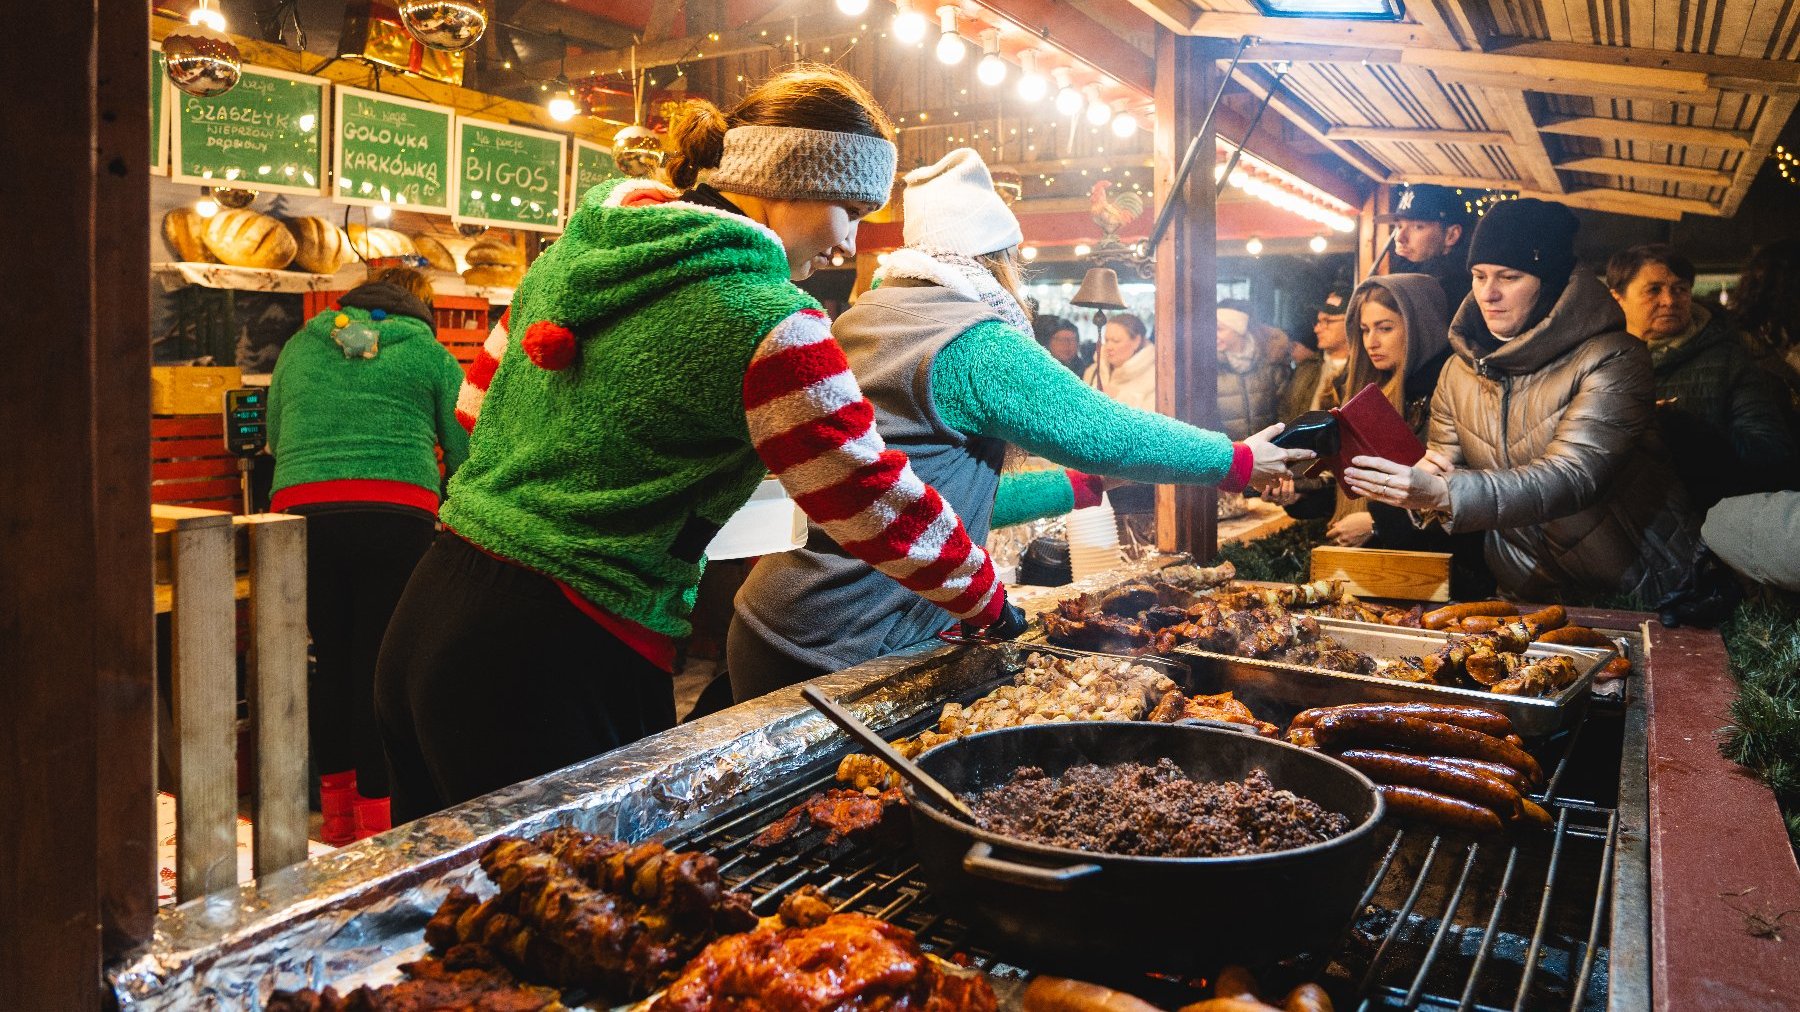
944	351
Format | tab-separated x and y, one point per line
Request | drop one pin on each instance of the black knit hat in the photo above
1530	235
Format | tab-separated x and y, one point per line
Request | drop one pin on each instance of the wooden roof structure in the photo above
1630	106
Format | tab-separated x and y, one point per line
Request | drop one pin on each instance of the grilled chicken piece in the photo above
466	979
1176	705
849	963
839	816
806	907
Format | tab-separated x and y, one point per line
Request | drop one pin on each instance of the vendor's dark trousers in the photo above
358	559
756	668
490	676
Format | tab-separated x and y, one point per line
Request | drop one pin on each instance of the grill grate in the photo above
1446	922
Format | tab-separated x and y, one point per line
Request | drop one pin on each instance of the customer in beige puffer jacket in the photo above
1542	429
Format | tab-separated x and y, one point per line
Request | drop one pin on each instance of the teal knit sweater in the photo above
333	418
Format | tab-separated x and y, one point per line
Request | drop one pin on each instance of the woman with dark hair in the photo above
1542	428
1061	339
361	399
656	362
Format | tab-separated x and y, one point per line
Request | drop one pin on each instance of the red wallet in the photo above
1368	426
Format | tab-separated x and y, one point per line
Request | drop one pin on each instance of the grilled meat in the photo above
1071	624
806	907
1176	705
465	979
848	963
838	816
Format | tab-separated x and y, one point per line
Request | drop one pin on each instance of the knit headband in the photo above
795	163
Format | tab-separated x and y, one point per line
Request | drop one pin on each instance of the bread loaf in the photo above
323	247
379	242
488	276
434	253
248	239
493	250
182	230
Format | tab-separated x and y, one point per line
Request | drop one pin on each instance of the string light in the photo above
992	69
1098	112
381	212
1254	247
204	13
1083	249
950	45
848	7
1316	244
206	206
1068	100
909	25
1033	86
562	108
1787	164
1124	125
1028	252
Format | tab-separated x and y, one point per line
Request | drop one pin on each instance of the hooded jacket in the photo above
1722	418
365	429
1556	455
1132	384
1250	397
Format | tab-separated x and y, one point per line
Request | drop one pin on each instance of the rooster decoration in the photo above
1112	214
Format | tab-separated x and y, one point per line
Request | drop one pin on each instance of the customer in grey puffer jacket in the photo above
1542	428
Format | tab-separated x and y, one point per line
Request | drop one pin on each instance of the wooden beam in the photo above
1407	135
1257	82
1376	34
1569	85
1644	204
756	38
1629	169
1066	27
1769	125
1607	129
1529	153
1544	74
1186	285
1767	71
1172	15
1452	179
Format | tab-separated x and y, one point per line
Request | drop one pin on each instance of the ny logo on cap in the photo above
1406	201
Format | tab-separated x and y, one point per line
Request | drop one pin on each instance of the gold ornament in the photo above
637	151
447	26
202	62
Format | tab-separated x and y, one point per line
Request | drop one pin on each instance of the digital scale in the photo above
246	431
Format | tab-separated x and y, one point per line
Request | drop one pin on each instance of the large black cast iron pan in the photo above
1055	909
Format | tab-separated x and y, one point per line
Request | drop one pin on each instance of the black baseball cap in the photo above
1426	202
1336	302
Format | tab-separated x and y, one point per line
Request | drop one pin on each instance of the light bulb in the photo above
991	71
562	108
206	206
205	14
1240	179
1098	112
837	259
1343	224
1083	249
1254	247
1124	125
881	259
1028	252
950	45
852	7
909	25
1068	100
381	212
1033	86
1316	244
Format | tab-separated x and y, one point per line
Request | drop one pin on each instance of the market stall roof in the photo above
1637	107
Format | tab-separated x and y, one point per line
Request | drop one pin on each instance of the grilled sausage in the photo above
1492	769
1440	809
1532	812
1444	616
1476	624
1616	668
1472	717
1402	770
1577	636
1059	994
1302	736
1307	998
1426	737
1229	1005
1553	617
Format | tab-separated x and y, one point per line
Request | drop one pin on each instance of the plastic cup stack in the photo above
1093	540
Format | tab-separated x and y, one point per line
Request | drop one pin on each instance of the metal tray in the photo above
1301	687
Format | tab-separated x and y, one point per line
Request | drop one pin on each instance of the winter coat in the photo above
1723	421
1297	395
1132	384
1250	398
1759	536
1450	271
1556	455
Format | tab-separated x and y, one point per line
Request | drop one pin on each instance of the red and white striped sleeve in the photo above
481	373
816	432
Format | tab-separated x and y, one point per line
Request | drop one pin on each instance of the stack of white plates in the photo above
1093	540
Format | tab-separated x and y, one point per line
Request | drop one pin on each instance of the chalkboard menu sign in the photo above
391	150
159	112
593	165
509	176
263	134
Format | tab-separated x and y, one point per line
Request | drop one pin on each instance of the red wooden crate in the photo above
189	465
462	320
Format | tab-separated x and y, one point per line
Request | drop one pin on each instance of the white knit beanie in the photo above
1235	319
951	207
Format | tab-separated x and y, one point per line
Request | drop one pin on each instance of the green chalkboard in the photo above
593	165
159	112
391	150
263	134
509	176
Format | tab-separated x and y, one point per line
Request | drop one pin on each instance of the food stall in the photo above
1588	874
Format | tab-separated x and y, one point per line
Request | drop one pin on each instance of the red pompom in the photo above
550	345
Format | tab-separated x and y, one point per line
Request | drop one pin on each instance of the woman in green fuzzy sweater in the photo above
362	398
943	349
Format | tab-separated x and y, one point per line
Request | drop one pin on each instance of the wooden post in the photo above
278	686
203	652
77	801
1186	281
